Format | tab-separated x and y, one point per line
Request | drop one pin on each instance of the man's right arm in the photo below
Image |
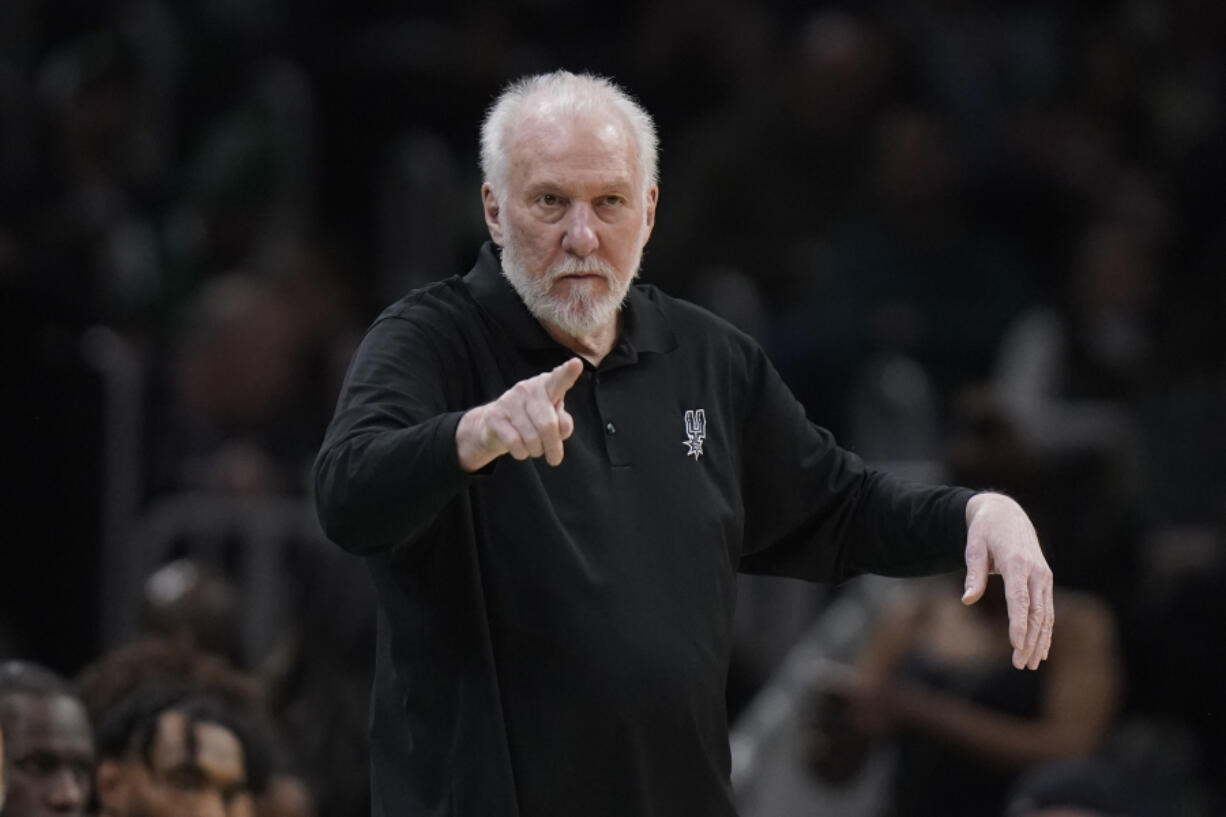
398	449
388	462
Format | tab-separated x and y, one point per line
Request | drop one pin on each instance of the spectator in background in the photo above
796	131
92	183
194	604
910	275
126	692
254	375
168	751
1069	375
932	680
1068	379
48	747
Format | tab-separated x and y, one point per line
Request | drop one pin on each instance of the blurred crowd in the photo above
987	237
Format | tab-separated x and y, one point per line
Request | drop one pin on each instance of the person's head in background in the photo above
47	744
193	604
165	750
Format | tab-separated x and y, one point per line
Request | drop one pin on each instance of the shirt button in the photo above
610	428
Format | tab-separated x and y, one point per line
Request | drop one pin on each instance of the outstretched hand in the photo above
1001	539
528	420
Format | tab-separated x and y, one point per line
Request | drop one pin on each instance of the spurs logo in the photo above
696	431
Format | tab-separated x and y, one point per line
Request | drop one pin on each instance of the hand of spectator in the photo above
528	420
1001	539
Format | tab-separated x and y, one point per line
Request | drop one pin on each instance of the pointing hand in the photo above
528	420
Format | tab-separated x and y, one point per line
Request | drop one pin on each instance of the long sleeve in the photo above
388	463
815	511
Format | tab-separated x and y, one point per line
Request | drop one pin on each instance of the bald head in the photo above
550	99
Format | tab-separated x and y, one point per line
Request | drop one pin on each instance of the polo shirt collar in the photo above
644	327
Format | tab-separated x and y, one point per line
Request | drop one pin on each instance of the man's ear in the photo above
649	217
493	213
111	785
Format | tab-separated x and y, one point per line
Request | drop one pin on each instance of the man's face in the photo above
574	218
179	779
48	756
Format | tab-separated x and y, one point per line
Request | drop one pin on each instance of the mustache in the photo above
570	265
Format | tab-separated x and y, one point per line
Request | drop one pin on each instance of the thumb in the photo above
976	572
562	378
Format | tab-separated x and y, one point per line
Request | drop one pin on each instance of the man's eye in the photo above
549	200
612	201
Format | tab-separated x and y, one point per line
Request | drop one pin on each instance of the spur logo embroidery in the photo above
695	431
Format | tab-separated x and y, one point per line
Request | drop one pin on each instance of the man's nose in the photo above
580	237
66	792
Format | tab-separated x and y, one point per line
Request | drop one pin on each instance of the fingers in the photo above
547	439
1043	648
559	381
1001	539
566	423
1032	615
1040	621
529	419
503	437
1017	600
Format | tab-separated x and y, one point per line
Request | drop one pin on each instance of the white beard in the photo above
580	314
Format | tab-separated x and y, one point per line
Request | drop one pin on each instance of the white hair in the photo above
572	93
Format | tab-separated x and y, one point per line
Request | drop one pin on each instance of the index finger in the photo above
562	378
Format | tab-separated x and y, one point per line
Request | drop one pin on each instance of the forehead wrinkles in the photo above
551	142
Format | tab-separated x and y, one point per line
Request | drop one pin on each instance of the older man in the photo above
48	747
555	624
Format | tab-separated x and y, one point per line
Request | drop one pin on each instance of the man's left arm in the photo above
816	511
1001	539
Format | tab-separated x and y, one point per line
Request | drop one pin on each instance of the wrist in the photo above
472	450
983	502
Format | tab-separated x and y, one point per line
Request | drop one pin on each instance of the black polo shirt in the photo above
554	641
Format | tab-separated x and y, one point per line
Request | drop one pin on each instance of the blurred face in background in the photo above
193	770
48	756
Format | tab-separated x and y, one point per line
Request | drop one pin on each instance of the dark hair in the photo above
130	726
